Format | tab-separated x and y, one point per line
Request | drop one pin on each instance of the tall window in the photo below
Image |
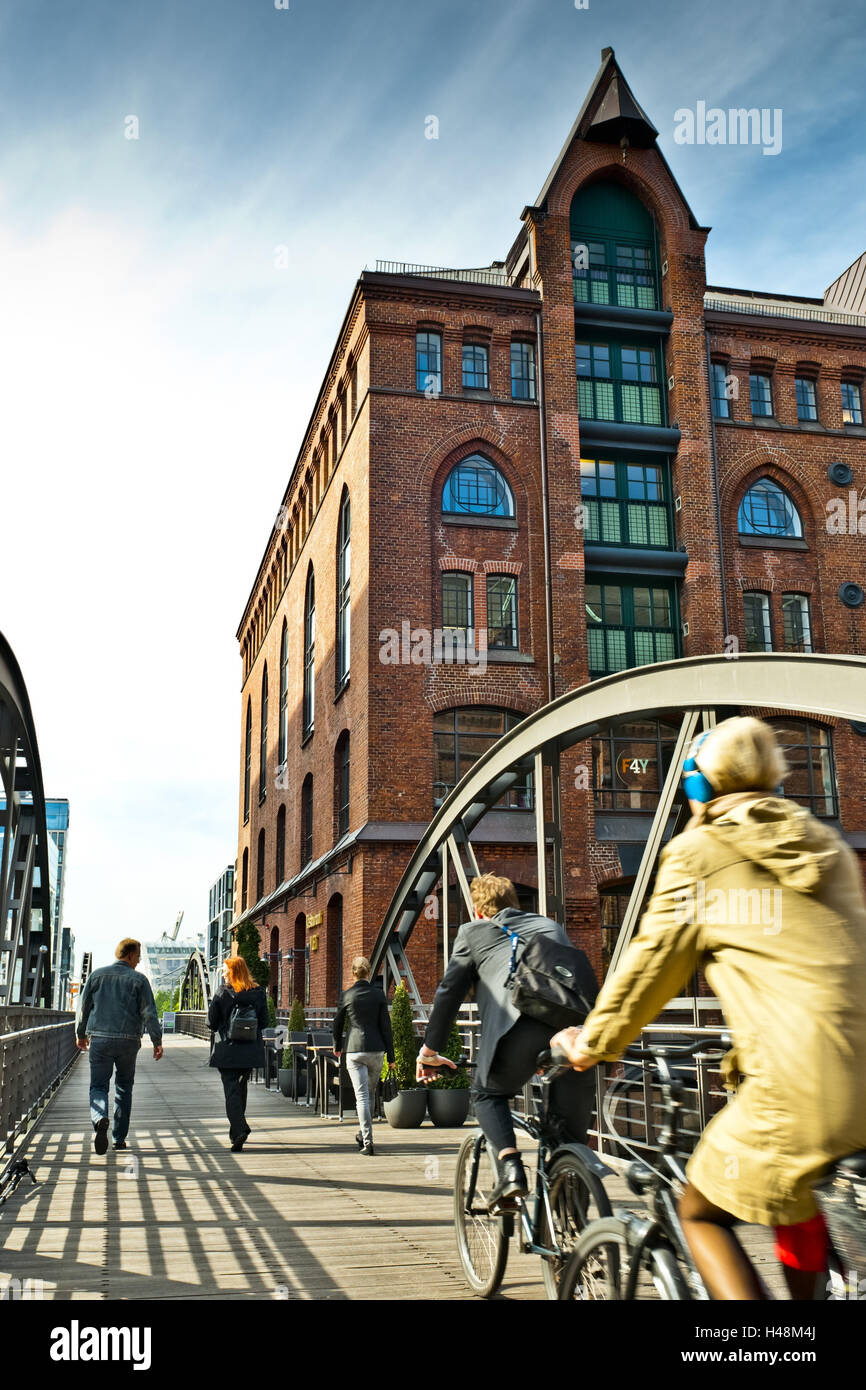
341	784
309	655
756	618
428	362
260	867
523	371
307	820
618	382
248	757
625	503
628	625
630	760
613	242
809	753
797	621
721	403
460	736
280	848
767	510
502	611
807	404
283	738
476	486
852	404
344	568
457	601
761	392
263	739
476	374
245	879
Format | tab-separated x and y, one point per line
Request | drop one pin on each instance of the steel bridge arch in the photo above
829	685
195	989
25	899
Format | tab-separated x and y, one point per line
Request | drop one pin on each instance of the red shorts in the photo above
804	1245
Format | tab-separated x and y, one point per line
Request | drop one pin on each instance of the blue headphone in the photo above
695	784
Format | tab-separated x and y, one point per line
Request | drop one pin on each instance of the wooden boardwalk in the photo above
298	1215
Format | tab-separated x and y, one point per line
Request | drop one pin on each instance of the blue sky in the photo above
159	369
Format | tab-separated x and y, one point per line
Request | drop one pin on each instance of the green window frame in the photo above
619	381
761	393
428	361
614	270
629	625
626	502
805	389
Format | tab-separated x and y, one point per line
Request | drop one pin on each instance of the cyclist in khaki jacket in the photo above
768	901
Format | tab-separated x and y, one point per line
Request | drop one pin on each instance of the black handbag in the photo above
551	983
389	1086
243	1024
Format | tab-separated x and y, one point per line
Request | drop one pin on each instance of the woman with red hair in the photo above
238	1013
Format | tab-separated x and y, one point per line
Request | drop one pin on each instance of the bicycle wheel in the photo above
482	1239
596	1270
576	1197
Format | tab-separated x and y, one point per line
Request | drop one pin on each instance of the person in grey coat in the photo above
510	1041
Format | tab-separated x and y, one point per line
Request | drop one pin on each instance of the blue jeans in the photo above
118	1055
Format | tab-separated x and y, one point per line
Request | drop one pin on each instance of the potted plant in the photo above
297	1024
448	1095
284	1075
407	1109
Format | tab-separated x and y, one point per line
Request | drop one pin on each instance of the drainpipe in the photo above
545	510
716	496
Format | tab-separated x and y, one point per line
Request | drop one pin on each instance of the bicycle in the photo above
568	1187
635	1256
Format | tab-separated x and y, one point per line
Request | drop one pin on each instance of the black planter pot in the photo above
284	1077
448	1108
407	1109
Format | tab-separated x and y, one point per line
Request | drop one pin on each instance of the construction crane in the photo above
173	937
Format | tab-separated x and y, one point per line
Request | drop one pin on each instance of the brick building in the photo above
516	479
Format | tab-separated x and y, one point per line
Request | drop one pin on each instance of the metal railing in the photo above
814	312
481	276
37	1048
193	1022
620	401
621	286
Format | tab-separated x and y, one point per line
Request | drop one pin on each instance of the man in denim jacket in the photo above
117	1006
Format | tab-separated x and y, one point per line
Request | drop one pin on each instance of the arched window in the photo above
248	756
808	750
341	784
245	879
283	737
476	487
767	510
274	981
613	247
280	848
260	867
263	739
309	654
344	566
307	820
460	736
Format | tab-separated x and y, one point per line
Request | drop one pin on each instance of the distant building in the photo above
164	962
62	941
220	909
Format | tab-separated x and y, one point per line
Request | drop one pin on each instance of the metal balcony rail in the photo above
481	276
766	309
626	402
37	1048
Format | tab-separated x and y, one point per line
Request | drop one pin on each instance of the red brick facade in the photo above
375	434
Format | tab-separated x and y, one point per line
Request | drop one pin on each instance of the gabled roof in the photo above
611	113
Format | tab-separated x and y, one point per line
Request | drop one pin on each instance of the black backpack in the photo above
243	1024
552	983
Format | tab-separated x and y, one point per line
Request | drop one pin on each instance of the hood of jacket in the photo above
784	838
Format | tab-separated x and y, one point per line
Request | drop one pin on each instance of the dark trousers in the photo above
120	1056
514	1062
235	1087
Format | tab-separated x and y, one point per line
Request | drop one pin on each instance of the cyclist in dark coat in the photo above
236	1060
510	1041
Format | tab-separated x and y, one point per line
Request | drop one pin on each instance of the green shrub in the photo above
406	1041
286	1062
297	1021
249	946
272	1013
449	1080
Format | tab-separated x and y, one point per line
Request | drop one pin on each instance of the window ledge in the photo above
773	542
814	426
508	655
500	523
